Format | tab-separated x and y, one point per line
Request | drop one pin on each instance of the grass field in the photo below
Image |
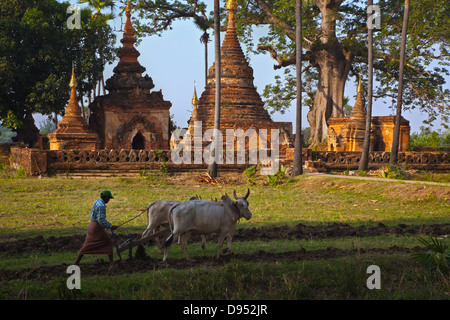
288	267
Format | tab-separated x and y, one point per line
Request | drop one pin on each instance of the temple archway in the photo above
138	142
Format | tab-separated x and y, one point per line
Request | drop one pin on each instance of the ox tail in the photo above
170	220
168	241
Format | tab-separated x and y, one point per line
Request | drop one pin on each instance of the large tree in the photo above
36	53
334	45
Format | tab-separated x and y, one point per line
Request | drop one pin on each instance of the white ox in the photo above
203	217
157	214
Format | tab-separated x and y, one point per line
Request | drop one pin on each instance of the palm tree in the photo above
395	143
364	162
99	5
205	39
298	143
298	159
212	168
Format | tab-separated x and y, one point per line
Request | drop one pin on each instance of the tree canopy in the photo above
36	53
334	49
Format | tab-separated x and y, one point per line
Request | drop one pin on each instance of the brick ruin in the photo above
347	133
130	116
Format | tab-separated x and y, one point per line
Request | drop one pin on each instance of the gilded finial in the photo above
359	83
231	5
73	80
195	99
128	6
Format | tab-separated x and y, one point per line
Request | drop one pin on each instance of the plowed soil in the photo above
142	263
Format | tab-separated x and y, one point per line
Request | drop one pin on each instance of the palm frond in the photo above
437	256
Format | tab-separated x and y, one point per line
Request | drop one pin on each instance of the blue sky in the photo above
176	59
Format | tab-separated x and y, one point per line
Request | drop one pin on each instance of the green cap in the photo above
107	193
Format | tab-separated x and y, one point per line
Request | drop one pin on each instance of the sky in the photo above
175	61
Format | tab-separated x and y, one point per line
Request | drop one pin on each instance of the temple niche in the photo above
130	116
347	133
241	106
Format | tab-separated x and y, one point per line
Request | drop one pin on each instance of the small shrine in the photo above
347	133
72	132
130	116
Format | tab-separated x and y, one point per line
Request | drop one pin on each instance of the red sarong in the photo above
98	241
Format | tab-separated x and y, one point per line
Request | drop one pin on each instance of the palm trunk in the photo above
395	142
298	161
212	168
206	63
364	162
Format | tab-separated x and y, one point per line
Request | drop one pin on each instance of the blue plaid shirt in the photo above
98	214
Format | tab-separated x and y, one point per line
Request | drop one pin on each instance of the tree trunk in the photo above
298	161
333	70
396	139
364	162
206	63
212	168
333	64
55	120
103	85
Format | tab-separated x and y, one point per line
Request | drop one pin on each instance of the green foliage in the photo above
437	257
394	172
277	178
36	54
428	138
7	173
250	172
362	173
163	168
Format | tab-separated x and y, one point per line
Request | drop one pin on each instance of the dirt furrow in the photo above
147	264
40	244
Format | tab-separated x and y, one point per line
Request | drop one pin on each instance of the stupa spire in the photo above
358	111
128	55
73	121
128	72
195	98
73	81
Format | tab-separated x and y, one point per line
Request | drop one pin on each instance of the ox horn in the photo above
234	193
248	193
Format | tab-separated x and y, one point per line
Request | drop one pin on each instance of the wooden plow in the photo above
135	242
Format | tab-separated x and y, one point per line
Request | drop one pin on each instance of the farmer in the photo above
98	241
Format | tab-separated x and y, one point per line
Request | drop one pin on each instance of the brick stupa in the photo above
241	105
72	132
130	116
